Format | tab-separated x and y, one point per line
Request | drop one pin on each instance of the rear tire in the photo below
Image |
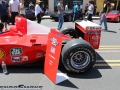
78	56
69	31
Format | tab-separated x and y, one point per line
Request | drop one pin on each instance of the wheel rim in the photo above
69	18
71	34
80	59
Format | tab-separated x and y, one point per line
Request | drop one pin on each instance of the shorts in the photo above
89	17
4	18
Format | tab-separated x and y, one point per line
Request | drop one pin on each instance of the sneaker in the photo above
58	28
104	29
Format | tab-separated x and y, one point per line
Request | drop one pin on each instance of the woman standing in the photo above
38	11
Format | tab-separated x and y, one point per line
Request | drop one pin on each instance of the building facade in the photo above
115	4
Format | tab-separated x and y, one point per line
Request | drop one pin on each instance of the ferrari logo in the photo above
2	54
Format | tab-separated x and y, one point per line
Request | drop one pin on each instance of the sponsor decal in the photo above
16	59
20	59
93	32
91	28
87	28
95	43
15	51
52	49
24	58
95	37
59	34
54	41
18	19
21	87
39	55
2	53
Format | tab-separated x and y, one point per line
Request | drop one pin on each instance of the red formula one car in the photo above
26	42
113	16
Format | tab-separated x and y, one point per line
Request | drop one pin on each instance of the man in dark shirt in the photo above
4	12
104	12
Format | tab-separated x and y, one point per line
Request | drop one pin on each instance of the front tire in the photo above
78	56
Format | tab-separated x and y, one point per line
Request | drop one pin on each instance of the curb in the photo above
48	17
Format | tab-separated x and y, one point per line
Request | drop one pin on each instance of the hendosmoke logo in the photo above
21	87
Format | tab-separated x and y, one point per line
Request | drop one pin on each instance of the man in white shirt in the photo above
14	9
22	8
38	11
90	11
81	7
66	6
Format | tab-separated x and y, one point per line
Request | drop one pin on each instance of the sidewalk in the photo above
94	17
48	17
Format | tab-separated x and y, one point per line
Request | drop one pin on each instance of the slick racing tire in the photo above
78	56
69	31
64	41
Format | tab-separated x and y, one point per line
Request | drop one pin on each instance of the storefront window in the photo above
77	1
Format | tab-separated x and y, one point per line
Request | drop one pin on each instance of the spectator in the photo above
81	7
47	11
1	28
4	12
31	6
66	6
90	11
38	12
22	8
60	14
95	7
14	9
86	8
76	12
104	13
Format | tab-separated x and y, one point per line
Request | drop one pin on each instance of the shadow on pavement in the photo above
91	74
101	64
38	67
67	83
110	31
24	69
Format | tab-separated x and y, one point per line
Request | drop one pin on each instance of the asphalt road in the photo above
104	76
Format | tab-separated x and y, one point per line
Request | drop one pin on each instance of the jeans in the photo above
61	20
75	16
103	19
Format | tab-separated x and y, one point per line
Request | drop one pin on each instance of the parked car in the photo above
68	15
30	13
113	16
